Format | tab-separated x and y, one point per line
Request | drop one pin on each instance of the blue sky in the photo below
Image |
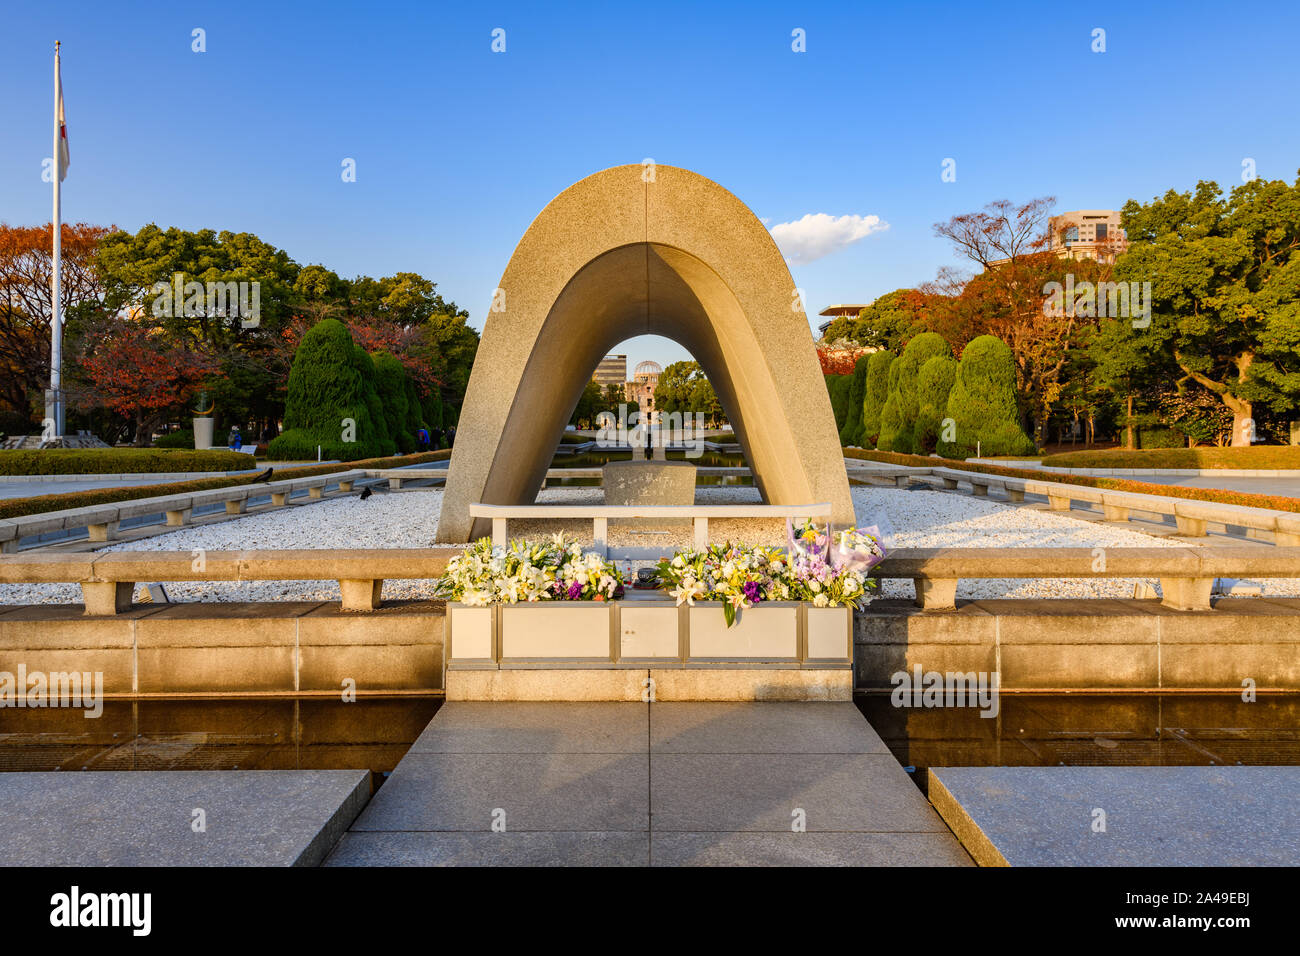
458	148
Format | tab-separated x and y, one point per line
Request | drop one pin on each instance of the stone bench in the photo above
108	580
1186	574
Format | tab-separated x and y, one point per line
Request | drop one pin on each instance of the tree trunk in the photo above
1130	436
1243	424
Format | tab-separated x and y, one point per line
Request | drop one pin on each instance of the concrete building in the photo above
641	388
833	312
612	370
1088	234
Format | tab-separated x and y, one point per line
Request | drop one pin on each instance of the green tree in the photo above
589	404
889	322
982	403
875	393
130	265
684	388
1225	284
330	401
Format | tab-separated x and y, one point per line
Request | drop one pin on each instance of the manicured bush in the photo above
390	386
119	461
20	507
891	422
982	403
1272	502
838	387
414	413
332	384
184	438
875	392
1281	457
919	350
933	384
1159	437
851	433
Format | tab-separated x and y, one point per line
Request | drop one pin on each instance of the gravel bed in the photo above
915	519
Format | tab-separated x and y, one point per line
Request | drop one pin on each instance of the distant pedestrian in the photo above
422	439
235	440
451	437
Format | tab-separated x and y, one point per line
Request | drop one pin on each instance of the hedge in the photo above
1157	437
1219	495
184	438
21	507
1285	457
120	461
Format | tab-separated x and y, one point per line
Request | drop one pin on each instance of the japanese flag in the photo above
64	158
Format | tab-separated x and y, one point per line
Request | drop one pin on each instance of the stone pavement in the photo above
1152	816
147	818
639	784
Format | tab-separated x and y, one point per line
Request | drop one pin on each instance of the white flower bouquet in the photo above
524	571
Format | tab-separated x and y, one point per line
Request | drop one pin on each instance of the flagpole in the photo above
54	404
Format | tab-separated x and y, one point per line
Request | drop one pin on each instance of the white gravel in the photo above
917	519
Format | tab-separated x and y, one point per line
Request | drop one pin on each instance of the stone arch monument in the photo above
638	250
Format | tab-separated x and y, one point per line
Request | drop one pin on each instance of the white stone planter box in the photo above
646	632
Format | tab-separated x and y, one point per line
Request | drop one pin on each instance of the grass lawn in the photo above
1252	457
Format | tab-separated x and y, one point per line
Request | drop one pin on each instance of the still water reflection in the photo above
245	734
1137	730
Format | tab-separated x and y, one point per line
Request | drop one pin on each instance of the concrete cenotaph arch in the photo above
638	250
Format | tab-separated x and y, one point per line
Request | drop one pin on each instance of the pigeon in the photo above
366	493
264	476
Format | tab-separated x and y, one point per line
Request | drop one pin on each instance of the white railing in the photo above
600	515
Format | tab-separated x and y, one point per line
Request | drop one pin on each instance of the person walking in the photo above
234	439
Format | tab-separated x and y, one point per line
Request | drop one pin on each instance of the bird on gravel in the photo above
264	476
366	493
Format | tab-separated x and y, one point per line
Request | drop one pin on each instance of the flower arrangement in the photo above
741	576
523	571
736	575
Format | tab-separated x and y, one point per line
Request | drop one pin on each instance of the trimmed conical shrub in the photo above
329	400
920	350
390	383
933	384
838	387
414	413
982	403
875	392
851	433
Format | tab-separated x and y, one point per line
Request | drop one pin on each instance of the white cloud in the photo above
819	234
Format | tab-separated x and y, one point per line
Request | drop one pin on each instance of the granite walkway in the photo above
664	784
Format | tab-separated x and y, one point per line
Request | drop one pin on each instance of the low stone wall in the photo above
312	648
232	649
1040	645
